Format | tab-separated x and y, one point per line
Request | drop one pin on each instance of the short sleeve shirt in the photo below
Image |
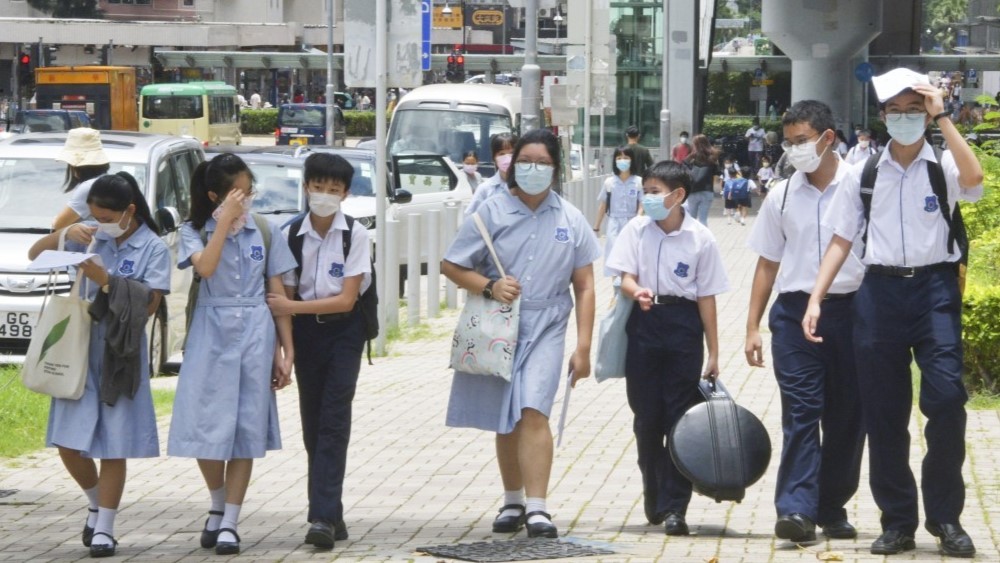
490	187
907	227
324	265
78	199
796	237
142	257
756	136
626	196
685	263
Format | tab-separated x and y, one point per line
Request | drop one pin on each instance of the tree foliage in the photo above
68	8
940	17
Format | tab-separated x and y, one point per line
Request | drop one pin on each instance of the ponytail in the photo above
116	192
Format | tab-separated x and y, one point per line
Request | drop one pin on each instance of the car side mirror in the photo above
168	219
402	196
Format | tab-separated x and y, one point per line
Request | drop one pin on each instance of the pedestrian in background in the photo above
502	150
682	149
85	161
114	420
225	412
639	153
620	198
823	437
862	150
470	167
546	246
672	270
755	143
703	165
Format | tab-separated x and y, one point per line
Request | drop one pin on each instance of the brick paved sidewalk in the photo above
412	482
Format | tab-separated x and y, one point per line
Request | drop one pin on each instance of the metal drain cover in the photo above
7	492
520	549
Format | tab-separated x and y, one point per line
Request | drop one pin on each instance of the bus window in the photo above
172	107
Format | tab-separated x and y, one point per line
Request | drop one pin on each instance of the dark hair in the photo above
467	154
632	132
215	176
501	141
818	115
552	146
672	174
756	121
745	171
685	134
83	173
704	154
325	166
840	135
624	150
116	192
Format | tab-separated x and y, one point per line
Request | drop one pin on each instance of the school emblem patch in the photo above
336	270
930	203
562	234
257	253
127	267
682	270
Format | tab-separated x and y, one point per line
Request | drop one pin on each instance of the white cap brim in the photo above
895	81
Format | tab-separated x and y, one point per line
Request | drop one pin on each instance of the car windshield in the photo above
277	188
575	159
451	133
302	117
172	107
35	122
31	190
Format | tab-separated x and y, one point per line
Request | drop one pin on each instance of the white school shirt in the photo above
685	263
858	154
907	227
797	238
78	199
323	264
756	136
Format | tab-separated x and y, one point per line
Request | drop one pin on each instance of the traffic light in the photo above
452	68
25	72
47	56
460	68
105	55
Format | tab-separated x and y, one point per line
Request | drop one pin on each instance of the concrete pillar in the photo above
683	78
821	38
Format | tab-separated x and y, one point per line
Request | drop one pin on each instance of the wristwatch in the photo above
940	115
488	290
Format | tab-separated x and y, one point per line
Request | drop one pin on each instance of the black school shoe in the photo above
209	537
321	535
509	524
103	550
892	542
88	532
955	542
842	530
228	547
541	529
795	527
675	525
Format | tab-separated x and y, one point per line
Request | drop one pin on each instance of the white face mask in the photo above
684	139
863	144
469	168
803	157
115	229
904	128
324	205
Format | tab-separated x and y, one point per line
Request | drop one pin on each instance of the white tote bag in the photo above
56	363
486	334
612	342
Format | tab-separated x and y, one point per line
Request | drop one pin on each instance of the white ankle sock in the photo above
512	497
535	504
230	520
105	525
218	505
92	506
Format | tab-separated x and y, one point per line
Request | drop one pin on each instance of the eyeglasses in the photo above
526	166
913	114
787	145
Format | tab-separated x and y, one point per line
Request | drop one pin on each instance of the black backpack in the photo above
368	299
956	226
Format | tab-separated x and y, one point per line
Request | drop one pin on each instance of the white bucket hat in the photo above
895	81
83	148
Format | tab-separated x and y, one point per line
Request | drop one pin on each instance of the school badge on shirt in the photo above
931	203
336	270
682	270
127	267
257	253
562	234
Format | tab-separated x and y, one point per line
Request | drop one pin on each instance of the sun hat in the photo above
83	148
895	81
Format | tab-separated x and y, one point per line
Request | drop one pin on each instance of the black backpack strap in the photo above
868	176
295	245
346	239
940	188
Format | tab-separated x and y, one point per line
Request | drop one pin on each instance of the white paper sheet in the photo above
565	406
59	260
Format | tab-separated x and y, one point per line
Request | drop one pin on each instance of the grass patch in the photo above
163	401
978	401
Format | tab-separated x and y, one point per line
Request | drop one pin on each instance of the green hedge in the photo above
264	122
719	126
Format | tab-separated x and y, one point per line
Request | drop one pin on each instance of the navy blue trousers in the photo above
662	369
327	362
823	435
897	320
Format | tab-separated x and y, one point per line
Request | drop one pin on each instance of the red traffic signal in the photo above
461	60
451	60
25	59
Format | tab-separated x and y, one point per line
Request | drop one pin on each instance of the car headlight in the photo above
367	222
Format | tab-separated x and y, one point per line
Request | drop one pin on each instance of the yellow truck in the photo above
106	93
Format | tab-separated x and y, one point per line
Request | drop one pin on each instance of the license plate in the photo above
298	141
17	325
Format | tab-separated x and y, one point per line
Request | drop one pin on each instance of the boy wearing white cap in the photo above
87	161
908	306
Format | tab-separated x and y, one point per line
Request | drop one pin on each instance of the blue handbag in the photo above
612	342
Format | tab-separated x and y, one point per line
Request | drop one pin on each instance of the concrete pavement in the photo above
413	482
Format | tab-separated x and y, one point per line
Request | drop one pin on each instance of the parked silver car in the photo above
31	195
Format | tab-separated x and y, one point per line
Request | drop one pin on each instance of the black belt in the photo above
669	300
908	271
332	317
827	297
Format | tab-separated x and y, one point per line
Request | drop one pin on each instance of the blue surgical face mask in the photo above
623	164
533	178
652	206
905	128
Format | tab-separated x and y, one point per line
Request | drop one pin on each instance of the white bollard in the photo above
391	273
433	246
413	269
450	227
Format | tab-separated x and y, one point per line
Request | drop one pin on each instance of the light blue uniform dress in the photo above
625	199
224	408
488	188
128	429
541	249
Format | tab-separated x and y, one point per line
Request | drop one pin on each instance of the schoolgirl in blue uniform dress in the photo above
502	149
546	246
624	191
127	241
671	268
225	413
